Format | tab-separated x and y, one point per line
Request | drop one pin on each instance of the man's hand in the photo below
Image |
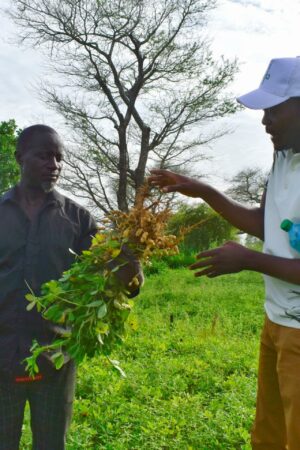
230	258
129	268
172	182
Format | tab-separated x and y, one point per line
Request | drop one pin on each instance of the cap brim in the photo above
260	99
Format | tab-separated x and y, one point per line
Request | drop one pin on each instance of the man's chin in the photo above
280	148
48	186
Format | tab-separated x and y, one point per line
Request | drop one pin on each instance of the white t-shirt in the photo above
282	303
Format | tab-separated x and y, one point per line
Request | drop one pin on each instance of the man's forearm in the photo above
250	220
286	269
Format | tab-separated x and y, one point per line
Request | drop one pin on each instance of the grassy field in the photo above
191	370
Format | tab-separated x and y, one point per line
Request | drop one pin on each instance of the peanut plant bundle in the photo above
89	305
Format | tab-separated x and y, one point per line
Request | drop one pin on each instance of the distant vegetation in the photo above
207	229
9	169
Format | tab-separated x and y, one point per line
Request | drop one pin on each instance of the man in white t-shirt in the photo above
277	422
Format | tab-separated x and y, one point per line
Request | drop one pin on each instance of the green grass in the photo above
191	370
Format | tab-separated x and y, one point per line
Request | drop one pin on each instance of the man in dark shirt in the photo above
38	227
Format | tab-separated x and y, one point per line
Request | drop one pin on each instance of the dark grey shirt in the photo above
31	253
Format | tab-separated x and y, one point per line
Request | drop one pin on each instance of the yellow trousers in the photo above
277	421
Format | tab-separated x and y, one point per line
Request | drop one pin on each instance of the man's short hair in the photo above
27	135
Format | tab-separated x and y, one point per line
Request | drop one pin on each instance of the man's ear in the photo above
18	157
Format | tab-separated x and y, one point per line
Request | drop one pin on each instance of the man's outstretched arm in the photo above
250	220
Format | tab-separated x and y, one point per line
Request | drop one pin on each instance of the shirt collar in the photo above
55	197
9	196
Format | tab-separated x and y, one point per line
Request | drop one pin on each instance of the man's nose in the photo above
266	117
54	164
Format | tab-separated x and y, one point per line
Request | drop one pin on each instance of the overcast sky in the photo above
254	31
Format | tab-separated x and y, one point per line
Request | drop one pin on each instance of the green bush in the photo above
156	266
208	228
9	169
183	259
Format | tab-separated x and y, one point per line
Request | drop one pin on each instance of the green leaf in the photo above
65	276
71	316
102	328
72	251
102	311
95	303
116	365
99	337
31	297
31	305
58	360
54	313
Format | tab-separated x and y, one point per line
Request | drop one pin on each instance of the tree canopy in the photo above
202	226
248	185
9	169
136	82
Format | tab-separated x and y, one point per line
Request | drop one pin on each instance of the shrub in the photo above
156	266
212	229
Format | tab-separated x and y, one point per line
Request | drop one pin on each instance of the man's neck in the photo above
31	199
30	195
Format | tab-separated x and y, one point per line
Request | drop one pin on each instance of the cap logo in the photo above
267	77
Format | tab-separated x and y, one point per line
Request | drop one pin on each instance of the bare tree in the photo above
137	83
248	185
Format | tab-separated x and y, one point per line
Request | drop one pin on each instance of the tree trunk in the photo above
141	167
123	163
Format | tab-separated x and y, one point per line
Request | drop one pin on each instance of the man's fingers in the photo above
209	272
159	176
165	186
172	188
214	274
205	259
210	261
159	181
159	171
206	254
208	265
163	179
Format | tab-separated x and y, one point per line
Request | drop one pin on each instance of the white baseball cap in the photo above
280	82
